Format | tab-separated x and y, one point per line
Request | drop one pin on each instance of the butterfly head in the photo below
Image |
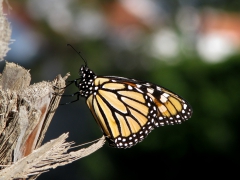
86	81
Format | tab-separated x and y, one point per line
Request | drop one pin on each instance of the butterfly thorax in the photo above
86	85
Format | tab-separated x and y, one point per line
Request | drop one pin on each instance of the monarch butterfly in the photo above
127	110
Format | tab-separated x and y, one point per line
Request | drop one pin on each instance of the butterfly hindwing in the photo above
172	109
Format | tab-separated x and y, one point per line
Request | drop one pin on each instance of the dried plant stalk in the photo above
25	114
5	33
50	155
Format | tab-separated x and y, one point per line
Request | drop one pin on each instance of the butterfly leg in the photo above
71	95
75	81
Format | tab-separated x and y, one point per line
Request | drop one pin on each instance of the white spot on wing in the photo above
165	94
184	106
139	90
163	99
150	90
130	87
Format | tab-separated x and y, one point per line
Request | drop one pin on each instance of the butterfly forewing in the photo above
127	110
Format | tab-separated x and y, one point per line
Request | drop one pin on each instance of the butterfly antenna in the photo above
79	53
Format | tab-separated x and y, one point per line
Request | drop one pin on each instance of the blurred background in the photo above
191	47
